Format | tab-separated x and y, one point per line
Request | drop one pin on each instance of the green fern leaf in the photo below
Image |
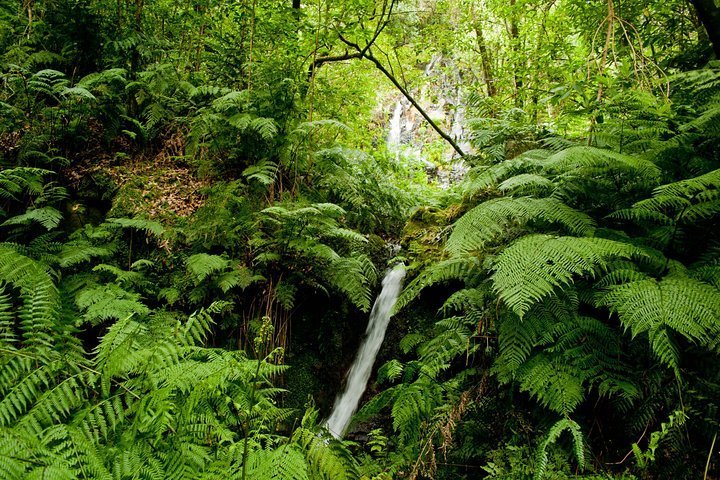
685	306
107	302
551	437
48	217
526	183
240	276
202	265
490	219
149	226
456	268
263	172
533	266
590	159
76	252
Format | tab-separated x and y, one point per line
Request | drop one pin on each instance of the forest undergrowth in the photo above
198	203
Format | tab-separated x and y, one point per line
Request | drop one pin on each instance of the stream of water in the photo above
346	403
394	140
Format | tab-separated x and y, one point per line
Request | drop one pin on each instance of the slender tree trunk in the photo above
536	67
515	46
485	60
137	27
200	46
252	45
135	52
28	6
709	15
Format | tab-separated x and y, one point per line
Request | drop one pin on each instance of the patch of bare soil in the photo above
158	184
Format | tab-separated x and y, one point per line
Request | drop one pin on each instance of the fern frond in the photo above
686	306
151	227
390	371
551	437
490	219
117	350
518	336
283	462
436	354
48	217
529	162
266	128
40	295
76	252
263	172
239	276
202	265
691	186
348	276
456	268
230	100
122	277
107	302
533	266
527	183
413	404
596	160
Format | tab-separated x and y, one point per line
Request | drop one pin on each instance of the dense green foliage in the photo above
198	202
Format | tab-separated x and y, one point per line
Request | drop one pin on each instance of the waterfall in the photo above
347	402
393	139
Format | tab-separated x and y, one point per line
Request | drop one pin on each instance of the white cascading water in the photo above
393	139
347	402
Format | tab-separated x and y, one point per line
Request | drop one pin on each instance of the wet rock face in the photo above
447	177
412	140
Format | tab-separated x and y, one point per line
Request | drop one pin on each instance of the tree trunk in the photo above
485	61
709	16
515	46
